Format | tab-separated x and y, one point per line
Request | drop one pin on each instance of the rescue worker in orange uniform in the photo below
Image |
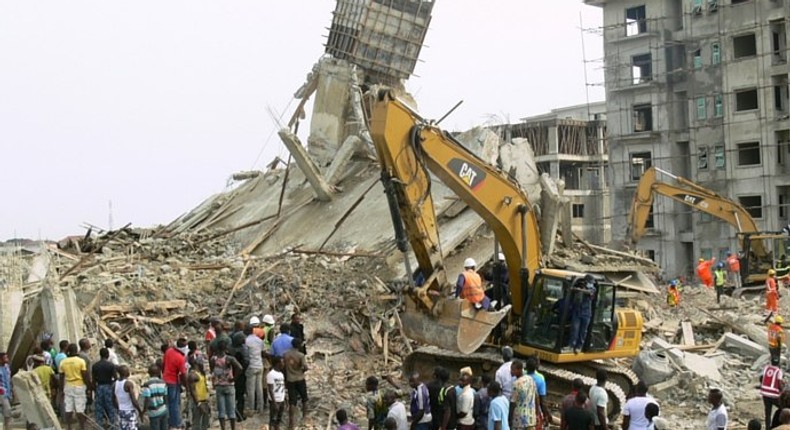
771	293
469	286
734	266
704	272
776	337
673	294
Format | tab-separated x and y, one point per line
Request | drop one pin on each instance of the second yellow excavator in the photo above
538	322
759	251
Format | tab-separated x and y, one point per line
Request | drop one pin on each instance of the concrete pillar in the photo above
11	298
554	140
330	108
36	406
322	190
338	167
61	314
550	209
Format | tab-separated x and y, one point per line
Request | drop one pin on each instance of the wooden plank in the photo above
121	343
688	333
164	305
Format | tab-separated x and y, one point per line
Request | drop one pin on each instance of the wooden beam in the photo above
688	333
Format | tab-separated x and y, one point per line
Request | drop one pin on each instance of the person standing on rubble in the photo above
297	330
75	375
776	337
523	401
734	266
126	400
771	386
704	272
223	368
275	383
85	347
673	294
599	399
295	384
104	374
154	395
240	352
420	404
175	375
255	348
469	286
544	416
46	376
283	342
717	417
771	293
374	404
110	345
6	392
220	336
197	387
634	417
503	375
499	409
719	279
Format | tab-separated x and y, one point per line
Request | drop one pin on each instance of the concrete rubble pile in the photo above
141	290
702	345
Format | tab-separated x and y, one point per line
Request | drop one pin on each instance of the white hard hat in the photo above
500	257
255	321
268	319
470	262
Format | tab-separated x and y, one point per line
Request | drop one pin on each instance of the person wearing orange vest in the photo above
470	286
771	293
673	294
771	386
704	272
734	266
776	336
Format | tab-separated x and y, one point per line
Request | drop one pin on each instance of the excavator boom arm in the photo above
409	147
690	194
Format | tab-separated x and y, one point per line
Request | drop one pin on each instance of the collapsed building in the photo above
317	226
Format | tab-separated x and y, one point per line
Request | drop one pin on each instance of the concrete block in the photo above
11	298
322	190
673	353
744	346
518	160
702	366
36	406
332	97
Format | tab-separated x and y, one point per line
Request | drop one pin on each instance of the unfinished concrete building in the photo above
570	144
699	88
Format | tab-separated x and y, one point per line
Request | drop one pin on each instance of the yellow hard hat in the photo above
701	260
771	272
778	319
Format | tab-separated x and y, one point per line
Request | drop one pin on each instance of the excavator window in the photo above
547	323
603	326
549	315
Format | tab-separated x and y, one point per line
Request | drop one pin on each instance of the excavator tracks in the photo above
488	360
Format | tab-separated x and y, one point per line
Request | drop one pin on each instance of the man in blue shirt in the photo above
5	390
283	341
499	409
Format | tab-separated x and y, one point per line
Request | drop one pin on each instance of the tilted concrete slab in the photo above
36	406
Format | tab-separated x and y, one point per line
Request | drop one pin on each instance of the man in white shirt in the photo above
109	344
717	417
465	403
396	410
634	410
599	399
503	375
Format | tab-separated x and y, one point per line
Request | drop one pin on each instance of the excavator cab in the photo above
547	325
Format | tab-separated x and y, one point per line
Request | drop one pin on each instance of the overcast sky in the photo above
154	104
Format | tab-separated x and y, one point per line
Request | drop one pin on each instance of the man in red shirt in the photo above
174	374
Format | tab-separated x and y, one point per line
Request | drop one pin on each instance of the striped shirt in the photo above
155	390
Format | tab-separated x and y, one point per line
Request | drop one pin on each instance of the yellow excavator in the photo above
759	251
410	149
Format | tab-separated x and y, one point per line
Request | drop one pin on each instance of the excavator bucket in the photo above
457	326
